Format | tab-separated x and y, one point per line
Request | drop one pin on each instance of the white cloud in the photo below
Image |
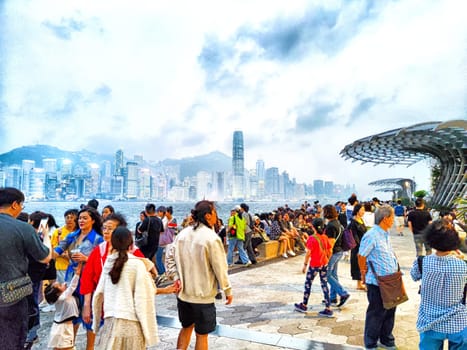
86	75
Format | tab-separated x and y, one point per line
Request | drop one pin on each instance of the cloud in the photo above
65	28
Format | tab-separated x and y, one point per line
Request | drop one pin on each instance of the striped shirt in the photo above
376	248
443	282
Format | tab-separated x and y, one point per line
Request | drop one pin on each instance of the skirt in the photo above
120	334
61	335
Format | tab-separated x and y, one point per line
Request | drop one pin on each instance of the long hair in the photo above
199	212
121	242
94	214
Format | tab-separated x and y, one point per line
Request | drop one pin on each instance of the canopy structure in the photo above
401	187
446	142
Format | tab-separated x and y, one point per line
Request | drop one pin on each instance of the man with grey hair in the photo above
376	249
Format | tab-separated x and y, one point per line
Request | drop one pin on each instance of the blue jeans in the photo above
379	322
431	340
333	279
233	242
34	322
160	255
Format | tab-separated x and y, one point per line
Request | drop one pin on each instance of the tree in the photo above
420	194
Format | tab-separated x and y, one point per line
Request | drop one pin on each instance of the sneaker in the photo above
326	313
333	302
300	307
285	256
343	300
28	344
291	253
43	304
247	264
387	347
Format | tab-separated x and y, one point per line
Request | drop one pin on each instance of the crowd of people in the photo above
96	272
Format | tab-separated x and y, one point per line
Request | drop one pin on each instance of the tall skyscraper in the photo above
238	165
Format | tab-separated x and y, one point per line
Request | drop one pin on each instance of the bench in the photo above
268	250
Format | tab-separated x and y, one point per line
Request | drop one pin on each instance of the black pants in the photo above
379	322
14	325
249	248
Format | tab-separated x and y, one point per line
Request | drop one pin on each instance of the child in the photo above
66	309
319	248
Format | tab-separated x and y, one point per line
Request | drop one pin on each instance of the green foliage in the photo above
420	194
435	176
461	208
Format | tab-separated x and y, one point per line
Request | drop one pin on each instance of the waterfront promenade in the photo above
262	316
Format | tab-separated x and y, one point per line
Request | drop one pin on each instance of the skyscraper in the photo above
238	161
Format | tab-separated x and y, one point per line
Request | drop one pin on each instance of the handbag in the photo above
391	288
233	229
14	290
141	239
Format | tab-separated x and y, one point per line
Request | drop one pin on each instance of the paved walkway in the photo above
262	316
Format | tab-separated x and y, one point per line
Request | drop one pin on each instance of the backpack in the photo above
399	210
348	240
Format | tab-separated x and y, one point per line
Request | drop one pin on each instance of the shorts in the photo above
400	221
203	316
61	335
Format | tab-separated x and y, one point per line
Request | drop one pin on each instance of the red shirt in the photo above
93	268
318	255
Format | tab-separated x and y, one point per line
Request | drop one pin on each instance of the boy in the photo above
66	309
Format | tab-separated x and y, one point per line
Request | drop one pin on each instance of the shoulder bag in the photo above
141	239
14	290
391	287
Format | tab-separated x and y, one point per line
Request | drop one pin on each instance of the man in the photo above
399	211
18	239
152	224
334	232
197	263
376	249
418	220
161	210
244	213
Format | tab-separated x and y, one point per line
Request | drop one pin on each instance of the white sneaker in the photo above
291	253
285	255
43	304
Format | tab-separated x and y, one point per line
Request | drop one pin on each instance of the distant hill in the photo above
214	161
40	152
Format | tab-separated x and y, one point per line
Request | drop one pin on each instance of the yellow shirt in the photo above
59	234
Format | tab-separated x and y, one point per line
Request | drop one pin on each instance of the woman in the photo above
278	235
166	237
126	293
79	245
92	271
358	228
107	210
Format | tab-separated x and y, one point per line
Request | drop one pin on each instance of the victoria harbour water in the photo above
132	209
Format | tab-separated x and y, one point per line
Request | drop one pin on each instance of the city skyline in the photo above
126	178
301	80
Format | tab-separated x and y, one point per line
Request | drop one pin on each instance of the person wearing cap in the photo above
237	240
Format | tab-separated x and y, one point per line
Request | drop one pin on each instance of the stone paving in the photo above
262	315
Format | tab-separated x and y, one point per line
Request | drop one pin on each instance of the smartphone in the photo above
43	225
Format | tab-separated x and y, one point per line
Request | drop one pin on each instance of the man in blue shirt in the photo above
375	248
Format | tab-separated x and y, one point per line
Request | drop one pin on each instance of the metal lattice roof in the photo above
444	141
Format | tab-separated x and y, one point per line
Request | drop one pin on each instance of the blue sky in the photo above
302	79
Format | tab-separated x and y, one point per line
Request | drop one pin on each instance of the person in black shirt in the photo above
153	225
418	220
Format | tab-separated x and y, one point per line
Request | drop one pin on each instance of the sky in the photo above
301	79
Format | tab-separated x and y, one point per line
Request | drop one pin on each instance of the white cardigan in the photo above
132	298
